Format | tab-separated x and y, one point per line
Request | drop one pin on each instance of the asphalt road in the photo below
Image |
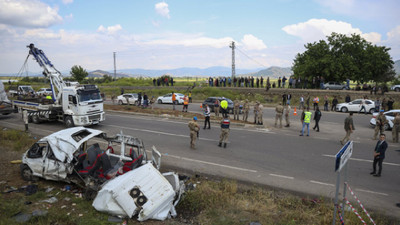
264	155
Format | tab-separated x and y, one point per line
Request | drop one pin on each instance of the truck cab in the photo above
82	105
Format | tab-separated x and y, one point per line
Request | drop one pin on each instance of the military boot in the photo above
224	145
220	144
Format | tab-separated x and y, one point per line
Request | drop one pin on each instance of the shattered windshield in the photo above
89	95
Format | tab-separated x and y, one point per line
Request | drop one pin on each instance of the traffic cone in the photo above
295	111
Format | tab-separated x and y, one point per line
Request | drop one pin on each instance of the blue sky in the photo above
150	34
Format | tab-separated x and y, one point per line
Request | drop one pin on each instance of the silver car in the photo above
335	86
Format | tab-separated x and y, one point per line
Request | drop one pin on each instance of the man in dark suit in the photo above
379	155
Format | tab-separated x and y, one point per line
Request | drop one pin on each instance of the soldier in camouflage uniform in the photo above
396	127
194	129
260	114
380	124
287	113
279	112
223	138
246	110
256	112
236	108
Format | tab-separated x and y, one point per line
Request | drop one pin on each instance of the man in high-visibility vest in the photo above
173	100
306	121
224	106
185	103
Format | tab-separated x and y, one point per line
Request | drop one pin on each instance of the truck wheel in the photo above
26	173
68	121
35	119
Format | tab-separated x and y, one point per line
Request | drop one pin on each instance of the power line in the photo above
251	58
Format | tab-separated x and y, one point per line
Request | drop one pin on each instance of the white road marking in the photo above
322	183
160	132
210	163
371	192
281	176
364	160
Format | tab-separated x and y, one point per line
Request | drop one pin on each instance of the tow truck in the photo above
70	103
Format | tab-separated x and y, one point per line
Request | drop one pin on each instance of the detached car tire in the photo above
68	121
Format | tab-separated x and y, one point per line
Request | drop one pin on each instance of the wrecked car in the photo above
114	171
73	155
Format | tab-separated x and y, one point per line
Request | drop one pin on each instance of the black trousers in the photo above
379	161
316	126
207	120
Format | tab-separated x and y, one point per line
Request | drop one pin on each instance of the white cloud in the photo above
109	30
162	9
66	2
251	42
393	42
28	13
317	29
41	34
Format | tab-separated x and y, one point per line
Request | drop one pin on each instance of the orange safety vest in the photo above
186	101
173	97
316	99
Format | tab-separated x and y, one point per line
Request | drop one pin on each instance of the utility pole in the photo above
115	68
232	46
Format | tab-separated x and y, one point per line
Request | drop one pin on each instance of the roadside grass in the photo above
226	202
17	140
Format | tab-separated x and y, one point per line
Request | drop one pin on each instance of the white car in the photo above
355	106
44	91
168	98
395	88
389	116
132	97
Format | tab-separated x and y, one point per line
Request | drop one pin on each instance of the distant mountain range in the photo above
273	72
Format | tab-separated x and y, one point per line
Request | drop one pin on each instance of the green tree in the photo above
344	57
78	73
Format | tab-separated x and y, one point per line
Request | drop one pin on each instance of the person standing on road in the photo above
223	138
25	119
139	99
308	100
246	110
185	104
396	127
173	100
301	106
260	114
190	96
224	107
279	112
256	112
317	117
348	127
284	99
334	103
362	104
207	114
306	122
216	107
379	155
194	131
380	122
316	101
288	97
287	113
326	103
236	108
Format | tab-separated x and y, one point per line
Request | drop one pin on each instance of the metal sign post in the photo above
341	160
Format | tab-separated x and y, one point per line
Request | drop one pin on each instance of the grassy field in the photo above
209	201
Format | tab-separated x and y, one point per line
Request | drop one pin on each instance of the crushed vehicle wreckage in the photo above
114	171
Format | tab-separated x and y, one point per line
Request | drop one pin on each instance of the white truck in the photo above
74	105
